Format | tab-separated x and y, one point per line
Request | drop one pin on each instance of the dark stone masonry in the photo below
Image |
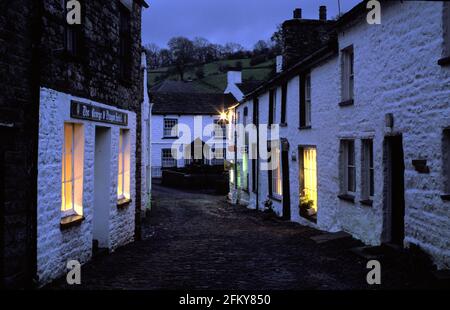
33	55
19	103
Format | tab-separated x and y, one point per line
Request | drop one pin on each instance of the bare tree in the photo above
165	58
153	55
232	48
182	51
260	47
201	46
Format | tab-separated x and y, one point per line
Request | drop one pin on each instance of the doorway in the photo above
285	175
102	187
394	215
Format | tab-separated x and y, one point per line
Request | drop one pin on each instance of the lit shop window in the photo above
123	184
72	170
276	185
308	182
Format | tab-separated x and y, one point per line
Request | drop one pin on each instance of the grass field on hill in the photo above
214	72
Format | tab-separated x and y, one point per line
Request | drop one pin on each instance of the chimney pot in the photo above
298	13
323	12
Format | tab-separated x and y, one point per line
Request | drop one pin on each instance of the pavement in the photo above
197	241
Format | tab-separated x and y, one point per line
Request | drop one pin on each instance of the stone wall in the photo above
396	72
95	74
55	247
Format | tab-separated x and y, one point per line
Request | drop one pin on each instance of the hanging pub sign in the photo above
89	112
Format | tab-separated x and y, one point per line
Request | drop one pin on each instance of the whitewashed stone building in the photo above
364	131
90	168
188	121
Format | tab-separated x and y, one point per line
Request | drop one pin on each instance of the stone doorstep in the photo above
376	252
326	237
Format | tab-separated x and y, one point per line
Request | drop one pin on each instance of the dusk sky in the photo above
222	21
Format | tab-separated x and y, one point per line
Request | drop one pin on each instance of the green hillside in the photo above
215	76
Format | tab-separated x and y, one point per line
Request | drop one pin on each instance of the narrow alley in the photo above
198	241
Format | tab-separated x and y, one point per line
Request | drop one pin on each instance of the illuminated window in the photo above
347	74
244	175
275	173
232	172
367	172
170	124
72	170
123	182
348	171
167	159
308	182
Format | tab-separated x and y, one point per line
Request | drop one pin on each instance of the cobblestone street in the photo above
198	241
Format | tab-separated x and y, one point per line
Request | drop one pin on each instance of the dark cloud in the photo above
221	21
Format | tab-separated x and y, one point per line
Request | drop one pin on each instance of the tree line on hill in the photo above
182	53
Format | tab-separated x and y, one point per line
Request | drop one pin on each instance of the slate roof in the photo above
179	103
327	50
169	86
248	86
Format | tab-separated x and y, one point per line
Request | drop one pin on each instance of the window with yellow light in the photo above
123	178
72	170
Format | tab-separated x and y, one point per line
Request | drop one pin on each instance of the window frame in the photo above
166	159
303	169
255	121
75	136
275	174
220	126
367	170
166	128
347	75
305	110
124	166
284	93
272	106
346	167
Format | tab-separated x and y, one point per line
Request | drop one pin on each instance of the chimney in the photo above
234	77
279	64
323	12
301	37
